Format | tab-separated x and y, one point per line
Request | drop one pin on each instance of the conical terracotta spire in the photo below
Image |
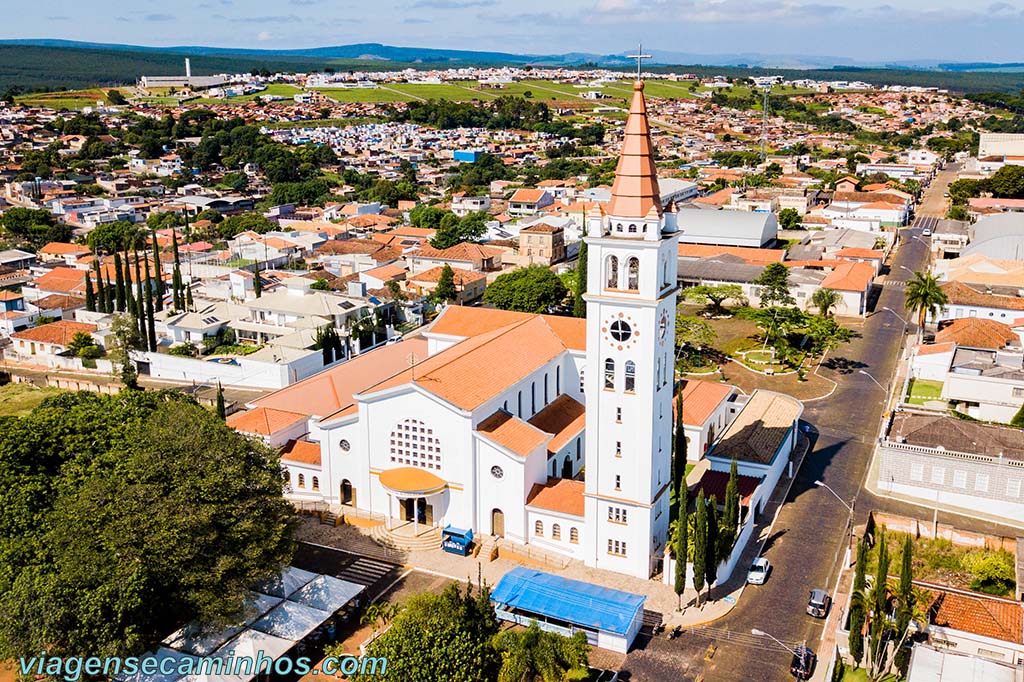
635	193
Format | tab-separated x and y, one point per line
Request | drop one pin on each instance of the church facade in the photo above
548	431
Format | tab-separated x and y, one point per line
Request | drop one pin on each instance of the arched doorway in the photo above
348	493
567	467
497	523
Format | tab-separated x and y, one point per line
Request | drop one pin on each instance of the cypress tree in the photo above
857	604
700	543
101	296
711	562
730	515
905	595
150	320
158	284
189	303
679	447
879	622
257	283
220	401
104	293
177	295
90	295
579	306
140	302
120	299
681	542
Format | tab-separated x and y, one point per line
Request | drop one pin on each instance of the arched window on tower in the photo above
632	229
609	373
633	267
612	272
630	376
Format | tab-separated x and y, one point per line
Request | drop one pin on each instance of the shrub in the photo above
185	350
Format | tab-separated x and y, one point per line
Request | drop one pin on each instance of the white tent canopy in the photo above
193	639
291	621
283	585
327	593
161	654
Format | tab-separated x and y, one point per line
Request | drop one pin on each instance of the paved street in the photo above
809	535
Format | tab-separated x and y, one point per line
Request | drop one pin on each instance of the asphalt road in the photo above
810	533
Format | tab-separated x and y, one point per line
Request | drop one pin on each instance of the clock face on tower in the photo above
663	327
620	331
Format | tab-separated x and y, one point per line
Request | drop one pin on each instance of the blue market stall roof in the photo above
590	606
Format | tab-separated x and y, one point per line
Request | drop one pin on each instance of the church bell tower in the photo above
631	304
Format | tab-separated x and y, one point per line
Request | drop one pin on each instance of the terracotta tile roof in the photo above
747	253
264	421
853	252
528	196
461	276
372	221
512	433
701	399
986	616
719	198
465	251
935	349
849	276
962	294
561	495
463	321
58	333
62	281
330	392
10	296
714	483
977	332
387	272
55	301
564	418
61	249
477	369
635	191
302	452
760	428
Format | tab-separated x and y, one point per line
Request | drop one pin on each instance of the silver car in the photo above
758	572
818	603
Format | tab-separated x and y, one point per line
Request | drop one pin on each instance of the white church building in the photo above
487	419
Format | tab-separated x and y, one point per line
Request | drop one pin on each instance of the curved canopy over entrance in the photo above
411	482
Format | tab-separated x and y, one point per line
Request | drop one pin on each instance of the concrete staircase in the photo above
426	540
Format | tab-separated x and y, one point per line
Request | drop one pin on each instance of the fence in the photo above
943	531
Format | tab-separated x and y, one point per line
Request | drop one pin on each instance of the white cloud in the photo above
264	35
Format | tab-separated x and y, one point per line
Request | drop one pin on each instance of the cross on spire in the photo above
639	57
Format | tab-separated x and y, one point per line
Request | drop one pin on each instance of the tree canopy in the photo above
535	289
114	531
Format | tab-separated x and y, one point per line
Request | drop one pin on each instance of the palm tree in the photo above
825	300
925	297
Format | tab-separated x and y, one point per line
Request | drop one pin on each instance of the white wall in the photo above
247	373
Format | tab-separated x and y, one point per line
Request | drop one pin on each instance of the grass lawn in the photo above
17	400
364	95
70	99
733	334
921	391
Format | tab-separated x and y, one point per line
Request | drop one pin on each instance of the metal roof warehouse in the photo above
610	618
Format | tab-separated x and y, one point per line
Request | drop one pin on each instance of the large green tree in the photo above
440	636
714	295
113	533
533	655
445	291
535	289
774	284
700	543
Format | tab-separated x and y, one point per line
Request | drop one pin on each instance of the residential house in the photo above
542	243
974	301
708	408
467	256
41	345
57	252
852	280
463	205
526	202
469	285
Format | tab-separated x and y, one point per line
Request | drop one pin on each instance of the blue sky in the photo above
951	30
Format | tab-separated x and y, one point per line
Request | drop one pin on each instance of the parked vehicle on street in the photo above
818	603
758	572
802	666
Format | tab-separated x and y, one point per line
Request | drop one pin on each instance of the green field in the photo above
456	92
922	391
17	400
70	99
364	95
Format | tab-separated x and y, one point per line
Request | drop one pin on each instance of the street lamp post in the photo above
860	371
849	507
762	633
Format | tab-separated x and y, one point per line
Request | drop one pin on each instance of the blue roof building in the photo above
610	618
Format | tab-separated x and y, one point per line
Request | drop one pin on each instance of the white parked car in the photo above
758	572
926	232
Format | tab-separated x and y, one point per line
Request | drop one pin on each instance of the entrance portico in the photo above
418	493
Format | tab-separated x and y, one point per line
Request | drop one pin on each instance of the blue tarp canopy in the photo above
572	601
458	533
